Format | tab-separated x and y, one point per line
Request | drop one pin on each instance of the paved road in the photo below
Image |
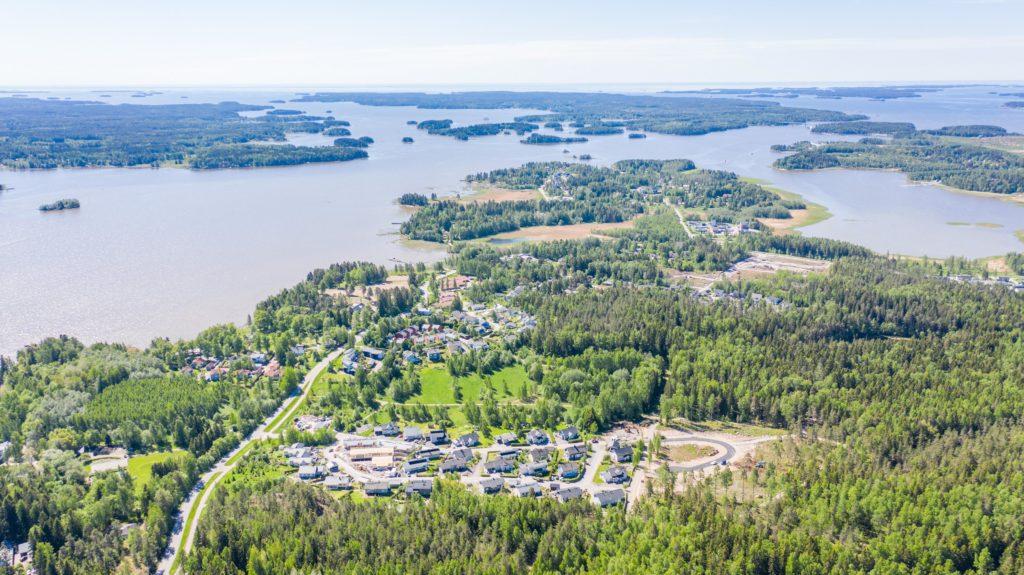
728	453
181	542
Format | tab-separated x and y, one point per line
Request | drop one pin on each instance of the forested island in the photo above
922	156
48	134
445	128
413	199
545	139
1014	104
59	205
680	116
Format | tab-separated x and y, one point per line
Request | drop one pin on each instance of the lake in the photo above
169	252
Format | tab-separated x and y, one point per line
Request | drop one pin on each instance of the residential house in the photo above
429	452
309	472
536	437
373	353
454	465
621	454
541	454
506	439
534	470
500	465
389	429
434	354
377	488
336	482
412	433
471	439
414	466
437	436
491	485
570	433
411	357
569	470
616	474
526	490
567	494
608	497
461	453
421	487
575	452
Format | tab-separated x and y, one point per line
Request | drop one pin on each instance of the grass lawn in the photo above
689	452
140	467
438	386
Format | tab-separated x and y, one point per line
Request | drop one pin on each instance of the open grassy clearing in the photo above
140	467
437	386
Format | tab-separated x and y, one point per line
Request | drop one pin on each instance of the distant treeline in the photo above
922	158
676	115
37	133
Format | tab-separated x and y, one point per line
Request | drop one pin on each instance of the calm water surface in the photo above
169	252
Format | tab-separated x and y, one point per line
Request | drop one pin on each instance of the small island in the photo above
413	199
544	139
407	140
637	136
60	205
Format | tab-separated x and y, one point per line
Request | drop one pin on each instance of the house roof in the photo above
609	496
567	493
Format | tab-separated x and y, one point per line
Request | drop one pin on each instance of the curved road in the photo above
212	478
729	453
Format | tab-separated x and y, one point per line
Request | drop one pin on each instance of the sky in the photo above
156	43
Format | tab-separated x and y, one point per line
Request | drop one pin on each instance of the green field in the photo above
437	385
140	467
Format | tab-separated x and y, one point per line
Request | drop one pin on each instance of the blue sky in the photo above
318	42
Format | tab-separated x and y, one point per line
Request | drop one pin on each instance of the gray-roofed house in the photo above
422	487
506	438
569	470
570	433
621	454
537	437
574	452
412	433
389	429
414	466
453	465
491	485
310	472
429	452
336	482
541	454
499	465
616	474
526	490
534	469
567	494
471	439
377	488
437	436
608	497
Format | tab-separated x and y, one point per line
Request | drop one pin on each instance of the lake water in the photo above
169	252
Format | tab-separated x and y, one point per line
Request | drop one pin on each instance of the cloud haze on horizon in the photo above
317	42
